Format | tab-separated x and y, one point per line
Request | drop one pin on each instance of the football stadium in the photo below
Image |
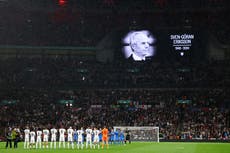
127	76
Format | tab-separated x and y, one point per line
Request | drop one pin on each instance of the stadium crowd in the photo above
69	72
186	101
183	100
200	114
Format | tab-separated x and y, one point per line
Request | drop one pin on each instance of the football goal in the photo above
140	133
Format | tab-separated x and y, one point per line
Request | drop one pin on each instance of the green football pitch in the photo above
136	147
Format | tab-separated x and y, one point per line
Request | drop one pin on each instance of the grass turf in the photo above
135	147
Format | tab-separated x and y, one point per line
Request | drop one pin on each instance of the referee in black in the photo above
9	137
128	136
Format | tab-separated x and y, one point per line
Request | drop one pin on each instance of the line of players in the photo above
92	137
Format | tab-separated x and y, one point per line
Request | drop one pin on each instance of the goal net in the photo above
140	133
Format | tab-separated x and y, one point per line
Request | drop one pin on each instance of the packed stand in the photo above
61	73
205	117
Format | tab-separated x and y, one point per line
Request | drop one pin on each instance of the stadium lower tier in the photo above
179	114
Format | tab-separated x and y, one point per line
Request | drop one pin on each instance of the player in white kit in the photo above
32	139
39	138
70	137
96	140
53	132
27	138
62	137
80	138
45	138
89	133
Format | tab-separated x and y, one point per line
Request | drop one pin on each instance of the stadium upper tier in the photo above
63	72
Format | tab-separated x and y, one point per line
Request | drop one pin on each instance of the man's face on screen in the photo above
141	45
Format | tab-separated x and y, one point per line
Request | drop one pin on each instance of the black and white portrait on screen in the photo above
138	45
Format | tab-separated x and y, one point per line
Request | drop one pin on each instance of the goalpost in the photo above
140	133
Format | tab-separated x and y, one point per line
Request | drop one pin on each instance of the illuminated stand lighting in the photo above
62	2
69	104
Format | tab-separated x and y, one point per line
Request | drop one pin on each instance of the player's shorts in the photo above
62	138
104	138
111	138
27	139
70	138
79	139
88	139
53	138
32	140
45	138
39	139
96	139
